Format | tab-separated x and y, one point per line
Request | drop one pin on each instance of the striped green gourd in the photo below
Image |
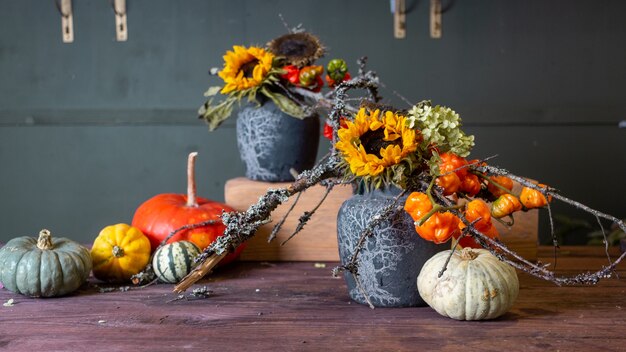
174	261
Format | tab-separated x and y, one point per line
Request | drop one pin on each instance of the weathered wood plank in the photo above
294	306
318	238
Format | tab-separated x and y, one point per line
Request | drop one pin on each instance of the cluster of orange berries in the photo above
438	224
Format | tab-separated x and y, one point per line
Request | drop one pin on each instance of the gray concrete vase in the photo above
391	259
271	142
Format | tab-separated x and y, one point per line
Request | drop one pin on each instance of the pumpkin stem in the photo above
44	241
191	180
118	252
468	254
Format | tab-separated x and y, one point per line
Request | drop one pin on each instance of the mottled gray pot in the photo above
391	259
271	142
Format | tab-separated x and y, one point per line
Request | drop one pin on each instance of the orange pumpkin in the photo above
164	213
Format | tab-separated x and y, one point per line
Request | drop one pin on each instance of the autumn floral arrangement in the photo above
423	153
284	72
385	148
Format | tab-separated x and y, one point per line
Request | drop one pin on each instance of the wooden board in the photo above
318	240
299	307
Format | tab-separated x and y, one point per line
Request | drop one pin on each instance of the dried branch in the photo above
304	218
464	233
279	224
502	251
147	276
186	227
357	281
241	226
548	191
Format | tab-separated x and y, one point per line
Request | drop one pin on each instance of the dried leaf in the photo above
212	91
285	104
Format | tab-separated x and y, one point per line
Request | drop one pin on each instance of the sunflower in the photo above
299	49
376	142
245	68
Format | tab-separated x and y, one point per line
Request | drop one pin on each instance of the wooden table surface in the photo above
294	306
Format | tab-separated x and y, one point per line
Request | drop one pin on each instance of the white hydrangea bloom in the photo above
440	125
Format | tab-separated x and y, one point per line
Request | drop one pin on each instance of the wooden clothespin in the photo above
67	21
121	28
435	19
399	18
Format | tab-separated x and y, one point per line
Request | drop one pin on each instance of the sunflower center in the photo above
374	141
296	48
248	68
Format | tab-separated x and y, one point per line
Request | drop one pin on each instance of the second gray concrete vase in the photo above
391	259
271	142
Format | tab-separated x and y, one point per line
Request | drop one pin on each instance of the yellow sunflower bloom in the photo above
375	141
245	68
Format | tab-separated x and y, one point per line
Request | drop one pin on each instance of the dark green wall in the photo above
91	129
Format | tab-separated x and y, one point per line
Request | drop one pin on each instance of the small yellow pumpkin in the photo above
119	252
475	286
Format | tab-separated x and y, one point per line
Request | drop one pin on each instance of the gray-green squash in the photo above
475	286
172	262
43	267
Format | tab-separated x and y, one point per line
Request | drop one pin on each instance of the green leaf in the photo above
285	104
214	115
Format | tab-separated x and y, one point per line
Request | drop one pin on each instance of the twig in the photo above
456	245
308	214
323	100
538	270
384	214
187	227
178	298
198	272
555	241
149	283
548	191
606	242
405	100
362	290
278	225
282	19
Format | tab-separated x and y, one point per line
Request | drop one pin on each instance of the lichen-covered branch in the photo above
539	270
147	275
241	226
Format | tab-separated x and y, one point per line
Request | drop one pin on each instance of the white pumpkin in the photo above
475	286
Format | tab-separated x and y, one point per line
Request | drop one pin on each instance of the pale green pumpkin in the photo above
43	267
475	286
